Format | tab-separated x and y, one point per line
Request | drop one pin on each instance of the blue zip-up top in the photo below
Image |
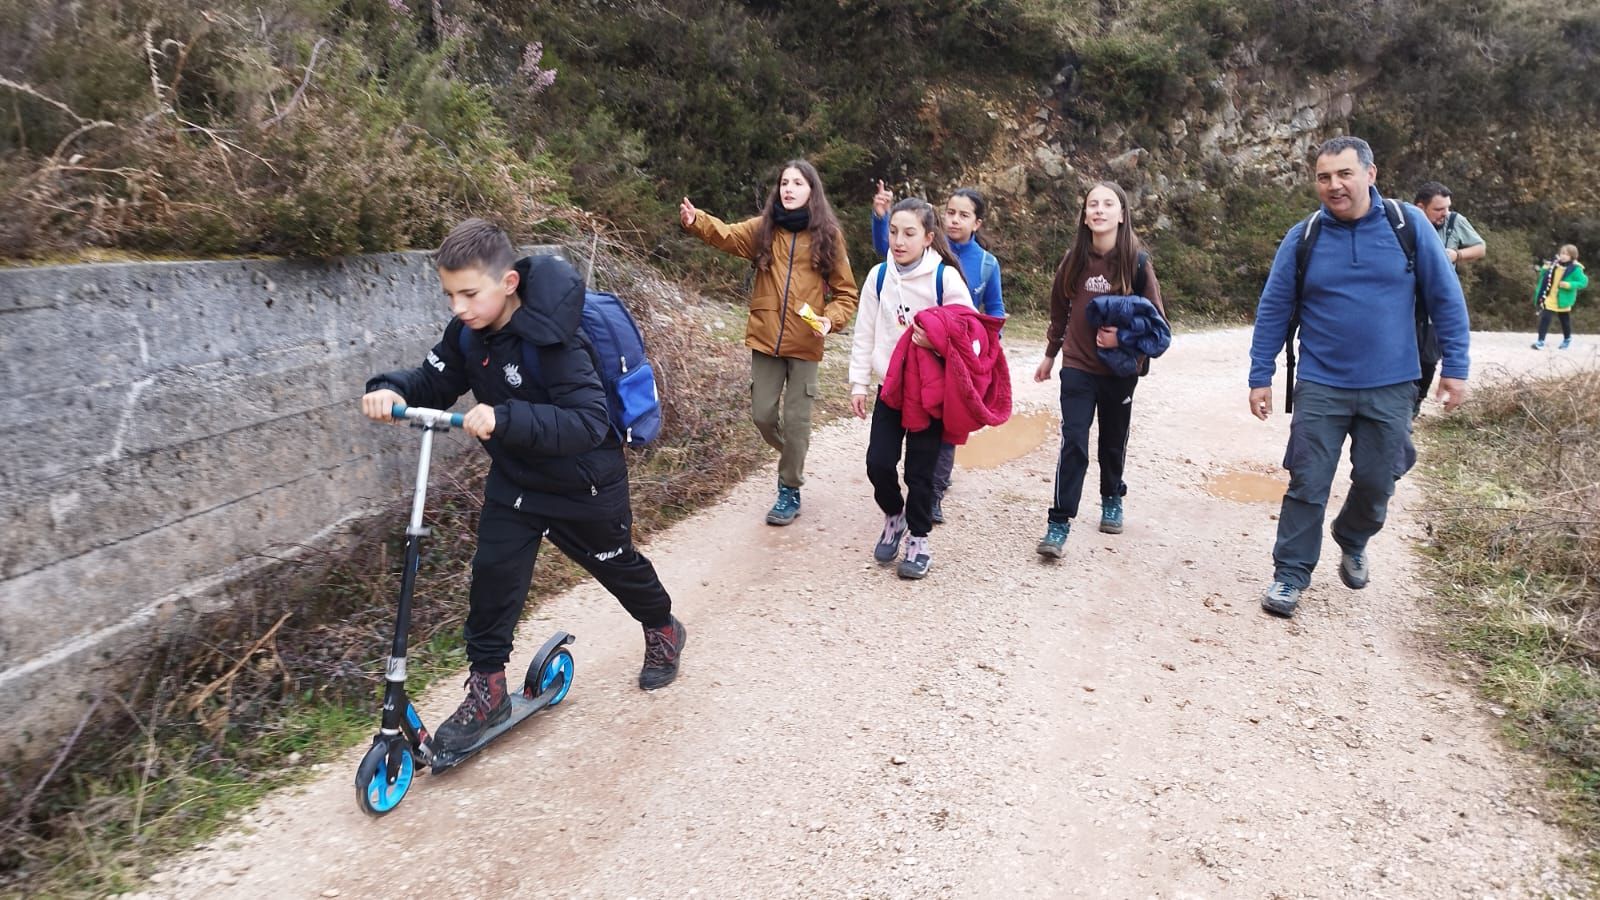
986	297
1358	324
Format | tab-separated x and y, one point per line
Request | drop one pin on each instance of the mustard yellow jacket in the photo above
775	327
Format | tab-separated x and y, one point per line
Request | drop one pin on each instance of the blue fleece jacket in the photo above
986	297
1357	316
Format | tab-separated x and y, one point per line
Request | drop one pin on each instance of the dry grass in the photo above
1516	483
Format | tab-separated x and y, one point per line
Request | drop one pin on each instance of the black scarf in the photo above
796	220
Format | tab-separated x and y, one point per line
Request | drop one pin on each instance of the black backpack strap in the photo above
1140	281
1307	231
1403	232
1407	236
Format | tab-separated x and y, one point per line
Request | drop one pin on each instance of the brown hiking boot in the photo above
485	707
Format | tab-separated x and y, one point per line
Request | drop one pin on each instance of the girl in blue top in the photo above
963	217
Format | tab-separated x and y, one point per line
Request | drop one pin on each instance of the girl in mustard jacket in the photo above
803	291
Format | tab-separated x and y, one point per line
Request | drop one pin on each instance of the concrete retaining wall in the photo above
163	426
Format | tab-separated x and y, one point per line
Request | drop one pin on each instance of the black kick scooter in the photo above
386	772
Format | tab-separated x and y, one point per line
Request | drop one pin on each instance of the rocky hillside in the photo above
315	127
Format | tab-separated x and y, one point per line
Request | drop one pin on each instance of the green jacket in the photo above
1559	285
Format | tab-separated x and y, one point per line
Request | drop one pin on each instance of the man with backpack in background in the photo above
1462	243
1352	279
557	469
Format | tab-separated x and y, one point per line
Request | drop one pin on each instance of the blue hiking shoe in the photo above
787	506
888	546
1538	345
1565	344
1281	599
1111	515
1054	542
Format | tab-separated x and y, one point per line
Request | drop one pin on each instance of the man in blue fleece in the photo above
1358	349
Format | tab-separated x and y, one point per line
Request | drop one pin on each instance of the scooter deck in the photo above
521	708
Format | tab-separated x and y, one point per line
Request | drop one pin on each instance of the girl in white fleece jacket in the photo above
919	258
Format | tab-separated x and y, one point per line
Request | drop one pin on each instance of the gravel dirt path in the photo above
1122	723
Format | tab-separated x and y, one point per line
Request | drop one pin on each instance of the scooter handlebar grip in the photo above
401	411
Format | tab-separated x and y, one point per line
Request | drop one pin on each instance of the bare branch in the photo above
301	90
33	92
150	54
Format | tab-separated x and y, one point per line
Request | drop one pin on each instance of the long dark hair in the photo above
1124	256
929	219
826	246
980	210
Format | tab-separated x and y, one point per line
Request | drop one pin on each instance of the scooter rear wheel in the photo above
374	794
554	669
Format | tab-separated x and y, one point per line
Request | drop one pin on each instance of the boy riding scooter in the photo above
557	466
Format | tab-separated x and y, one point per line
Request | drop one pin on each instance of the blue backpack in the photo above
938	281
618	351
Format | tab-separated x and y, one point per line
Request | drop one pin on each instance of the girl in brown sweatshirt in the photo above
1106	257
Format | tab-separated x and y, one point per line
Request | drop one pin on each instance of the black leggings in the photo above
884	443
1086	396
1544	323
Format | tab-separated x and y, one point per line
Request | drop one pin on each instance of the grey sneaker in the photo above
1353	569
1054	542
888	546
1111	515
917	560
1281	599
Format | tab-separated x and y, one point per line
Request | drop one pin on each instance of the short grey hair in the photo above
1338	145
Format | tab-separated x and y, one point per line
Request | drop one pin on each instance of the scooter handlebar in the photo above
434	417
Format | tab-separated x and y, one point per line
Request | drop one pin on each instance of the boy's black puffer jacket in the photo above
553	450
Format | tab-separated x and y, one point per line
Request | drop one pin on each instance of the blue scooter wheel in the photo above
374	794
556	669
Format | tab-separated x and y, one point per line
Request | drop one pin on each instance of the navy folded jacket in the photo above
1141	331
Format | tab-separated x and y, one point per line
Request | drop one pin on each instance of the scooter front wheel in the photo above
374	793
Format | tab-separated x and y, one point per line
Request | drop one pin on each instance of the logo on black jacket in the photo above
513	377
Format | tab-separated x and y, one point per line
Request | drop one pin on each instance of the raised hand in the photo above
882	200
687	212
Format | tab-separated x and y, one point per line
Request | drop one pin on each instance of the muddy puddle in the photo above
1018	437
1247	487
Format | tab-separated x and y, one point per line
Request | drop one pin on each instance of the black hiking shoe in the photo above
938	509
662	647
485	707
